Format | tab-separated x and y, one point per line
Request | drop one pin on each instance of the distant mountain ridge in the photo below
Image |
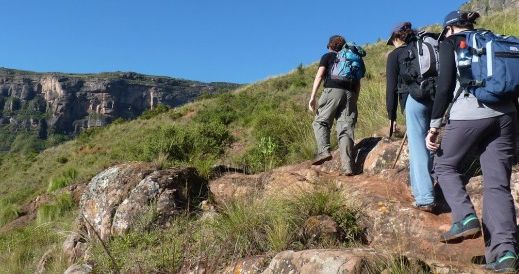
490	6
69	103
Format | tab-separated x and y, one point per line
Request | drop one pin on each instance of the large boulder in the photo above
123	196
320	261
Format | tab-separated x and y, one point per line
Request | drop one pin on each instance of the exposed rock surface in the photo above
390	220
320	262
489	6
127	195
69	103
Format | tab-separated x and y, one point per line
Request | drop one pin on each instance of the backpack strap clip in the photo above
478	52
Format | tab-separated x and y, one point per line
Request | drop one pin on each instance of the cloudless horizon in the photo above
209	41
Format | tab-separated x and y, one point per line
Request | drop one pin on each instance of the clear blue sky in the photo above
207	40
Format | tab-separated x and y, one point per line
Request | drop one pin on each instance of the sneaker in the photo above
504	264
468	228
321	158
427	208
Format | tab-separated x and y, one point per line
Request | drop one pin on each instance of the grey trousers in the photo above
339	104
494	137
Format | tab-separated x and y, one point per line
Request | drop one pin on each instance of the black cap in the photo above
399	27
452	18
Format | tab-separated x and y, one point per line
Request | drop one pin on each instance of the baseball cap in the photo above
452	18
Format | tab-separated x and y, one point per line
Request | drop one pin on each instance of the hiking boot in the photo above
427	208
504	264
468	228
321	158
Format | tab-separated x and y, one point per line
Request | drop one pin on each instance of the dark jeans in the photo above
495	138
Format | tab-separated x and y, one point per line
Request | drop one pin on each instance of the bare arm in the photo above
317	83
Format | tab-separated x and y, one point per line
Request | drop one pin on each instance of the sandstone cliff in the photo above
69	103
489	6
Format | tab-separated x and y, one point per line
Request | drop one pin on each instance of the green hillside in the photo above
258	127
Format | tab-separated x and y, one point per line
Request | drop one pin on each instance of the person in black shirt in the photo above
417	112
339	101
489	128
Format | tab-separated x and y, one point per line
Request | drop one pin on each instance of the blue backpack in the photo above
349	65
494	66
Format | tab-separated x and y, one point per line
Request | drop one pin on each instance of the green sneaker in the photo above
468	228
504	264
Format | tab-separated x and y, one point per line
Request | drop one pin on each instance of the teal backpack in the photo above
349	65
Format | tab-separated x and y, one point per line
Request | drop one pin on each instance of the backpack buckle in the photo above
478	52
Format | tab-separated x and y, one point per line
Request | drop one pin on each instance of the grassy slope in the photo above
268	121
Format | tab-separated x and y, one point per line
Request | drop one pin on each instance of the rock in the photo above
490	6
320	261
383	155
250	265
280	182
44	260
74	247
320	227
79	269
123	196
236	186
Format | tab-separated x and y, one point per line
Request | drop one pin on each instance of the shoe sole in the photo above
322	160
505	270
472	233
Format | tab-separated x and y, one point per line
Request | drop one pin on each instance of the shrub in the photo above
67	177
8	212
49	212
157	110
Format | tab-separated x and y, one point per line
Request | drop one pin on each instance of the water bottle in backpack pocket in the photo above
494	66
349	65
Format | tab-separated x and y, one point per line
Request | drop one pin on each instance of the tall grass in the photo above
241	228
62	204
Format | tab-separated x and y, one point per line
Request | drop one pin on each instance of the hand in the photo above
431	139
312	105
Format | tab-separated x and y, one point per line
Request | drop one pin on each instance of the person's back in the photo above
491	129
402	84
338	101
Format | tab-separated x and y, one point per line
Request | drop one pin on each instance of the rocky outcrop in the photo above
321	262
69	103
391	223
490	6
132	196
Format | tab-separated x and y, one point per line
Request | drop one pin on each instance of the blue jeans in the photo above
420	159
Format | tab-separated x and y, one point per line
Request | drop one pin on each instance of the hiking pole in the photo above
400	150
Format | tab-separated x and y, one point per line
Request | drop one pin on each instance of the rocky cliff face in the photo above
489	6
67	104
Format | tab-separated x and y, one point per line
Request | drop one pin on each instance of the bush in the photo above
49	212
183	144
8	212
150	113
67	177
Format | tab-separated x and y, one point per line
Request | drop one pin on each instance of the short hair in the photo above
336	43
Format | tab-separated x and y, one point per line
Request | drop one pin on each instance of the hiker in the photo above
339	101
403	82
471	122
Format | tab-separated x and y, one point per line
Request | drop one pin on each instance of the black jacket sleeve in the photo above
392	85
446	79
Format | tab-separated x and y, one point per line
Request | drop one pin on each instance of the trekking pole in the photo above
400	150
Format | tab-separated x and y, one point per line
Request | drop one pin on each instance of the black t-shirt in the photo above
327	61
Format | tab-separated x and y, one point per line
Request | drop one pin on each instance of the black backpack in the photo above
419	69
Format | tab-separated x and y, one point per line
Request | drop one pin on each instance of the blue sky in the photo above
207	40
